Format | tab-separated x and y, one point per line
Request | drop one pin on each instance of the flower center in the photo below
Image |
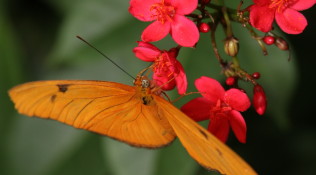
163	66
281	5
162	12
220	109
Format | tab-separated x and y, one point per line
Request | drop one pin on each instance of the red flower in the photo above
285	12
168	72
221	107
169	18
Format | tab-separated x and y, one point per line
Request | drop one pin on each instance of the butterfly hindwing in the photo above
205	148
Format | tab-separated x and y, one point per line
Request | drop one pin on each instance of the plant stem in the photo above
214	45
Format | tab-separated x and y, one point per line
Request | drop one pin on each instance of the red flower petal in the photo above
184	31
210	88
220	128
198	109
140	9
238	125
303	4
146	51
163	81
261	2
181	78
291	21
237	99
184	7
148	45
261	17
155	31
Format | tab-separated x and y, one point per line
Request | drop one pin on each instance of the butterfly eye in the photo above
145	83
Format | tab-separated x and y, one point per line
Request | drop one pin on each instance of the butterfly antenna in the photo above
105	56
155	89
142	72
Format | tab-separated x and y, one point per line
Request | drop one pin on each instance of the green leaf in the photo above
174	160
90	20
126	160
85	160
38	145
10	74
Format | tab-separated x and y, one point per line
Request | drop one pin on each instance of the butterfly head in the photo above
142	82
143	85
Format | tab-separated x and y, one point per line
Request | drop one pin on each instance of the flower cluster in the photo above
184	20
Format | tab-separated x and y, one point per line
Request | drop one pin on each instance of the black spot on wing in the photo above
62	87
52	98
203	133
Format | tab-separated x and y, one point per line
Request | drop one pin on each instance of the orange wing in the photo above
117	110
205	148
106	108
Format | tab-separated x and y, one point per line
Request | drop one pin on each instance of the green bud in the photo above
231	46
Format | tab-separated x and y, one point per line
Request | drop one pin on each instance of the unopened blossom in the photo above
259	99
167	70
168	17
285	13
221	107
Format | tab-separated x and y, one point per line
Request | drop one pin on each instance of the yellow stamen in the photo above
162	11
280	5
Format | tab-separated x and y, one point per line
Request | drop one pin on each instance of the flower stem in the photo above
256	37
229	31
214	46
234	67
236	62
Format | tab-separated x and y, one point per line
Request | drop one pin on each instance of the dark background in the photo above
38	42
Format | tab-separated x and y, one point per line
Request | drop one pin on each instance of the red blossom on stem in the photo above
168	17
204	27
256	75
221	107
285	12
230	81
269	40
259	99
167	70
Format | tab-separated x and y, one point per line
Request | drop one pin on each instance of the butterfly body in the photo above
142	85
136	115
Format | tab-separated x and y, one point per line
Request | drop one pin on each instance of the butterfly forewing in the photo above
107	108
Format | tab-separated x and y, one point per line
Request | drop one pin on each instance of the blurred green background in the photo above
37	42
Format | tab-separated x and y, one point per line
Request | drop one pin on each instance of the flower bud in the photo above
231	46
256	75
269	40
204	27
259	99
281	44
230	81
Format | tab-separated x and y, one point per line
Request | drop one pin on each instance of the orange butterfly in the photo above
136	115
